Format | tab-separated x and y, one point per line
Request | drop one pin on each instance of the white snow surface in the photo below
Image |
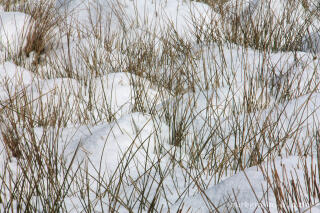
143	15
13	80
102	142
246	191
14	28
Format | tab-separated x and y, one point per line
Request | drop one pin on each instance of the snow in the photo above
135	16
311	42
246	189
14	27
117	90
108	142
108	127
13	79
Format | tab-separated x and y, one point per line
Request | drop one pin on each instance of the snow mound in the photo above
13	79
102	98
143	15
108	144
122	92
244	190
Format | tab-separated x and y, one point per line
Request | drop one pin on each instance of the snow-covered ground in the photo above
152	116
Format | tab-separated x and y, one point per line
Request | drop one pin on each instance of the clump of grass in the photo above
43	29
11	4
295	194
41	179
42	36
258	27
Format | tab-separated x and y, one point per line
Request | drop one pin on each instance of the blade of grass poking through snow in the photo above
318	150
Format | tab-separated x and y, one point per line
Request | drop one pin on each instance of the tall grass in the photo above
240	125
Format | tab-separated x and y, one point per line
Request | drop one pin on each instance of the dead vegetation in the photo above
217	140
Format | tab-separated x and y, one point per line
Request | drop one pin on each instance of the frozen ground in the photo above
236	130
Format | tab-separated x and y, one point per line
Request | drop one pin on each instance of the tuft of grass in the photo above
259	27
43	30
